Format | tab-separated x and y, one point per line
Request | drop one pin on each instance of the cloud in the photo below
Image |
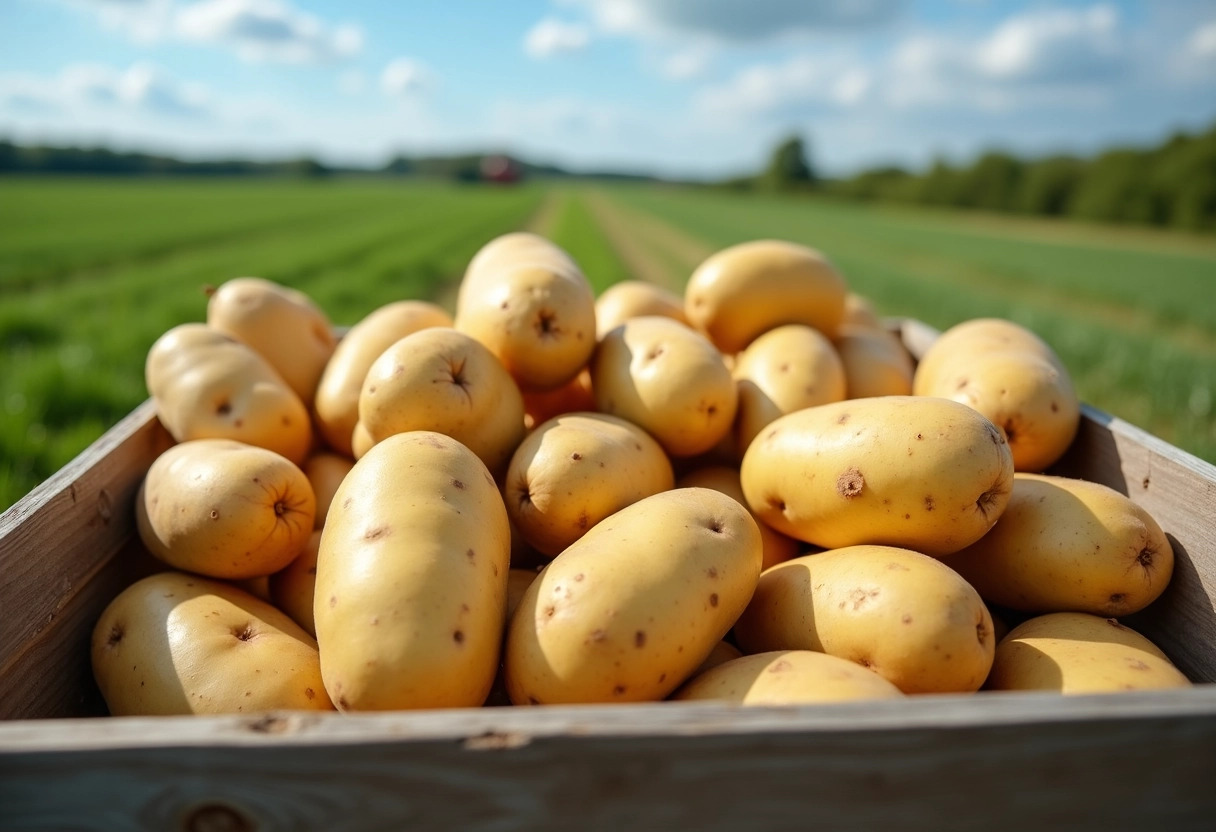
406	78
352	82
1202	44
141	87
798	86
552	37
266	30
730	20
687	64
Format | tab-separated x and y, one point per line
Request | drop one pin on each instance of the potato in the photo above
207	385
859	313
1069	545
775	546
746	290
224	509
412	578
293	588
518	581
281	324
360	441
634	299
722	653
1014	378
180	644
325	472
531	306
875	363
1074	652
633	607
926	474
575	470
668	380
337	401
572	397
787	368
258	587
787	677
906	616
445	381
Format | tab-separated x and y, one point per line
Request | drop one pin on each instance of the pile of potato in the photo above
747	494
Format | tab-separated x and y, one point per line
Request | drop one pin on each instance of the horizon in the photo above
672	88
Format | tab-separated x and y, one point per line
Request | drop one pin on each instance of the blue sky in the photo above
679	87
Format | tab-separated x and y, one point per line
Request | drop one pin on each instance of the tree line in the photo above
1172	184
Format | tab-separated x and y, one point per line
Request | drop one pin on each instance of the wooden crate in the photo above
1137	760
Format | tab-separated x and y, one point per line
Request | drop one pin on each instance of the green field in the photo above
92	271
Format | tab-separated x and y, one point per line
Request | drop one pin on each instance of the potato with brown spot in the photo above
787	677
745	290
668	380
337	400
409	561
856	472
175	643
208	385
1078	653
645	569
445	381
1068	545
575	470
906	616
788	368
776	546
224	509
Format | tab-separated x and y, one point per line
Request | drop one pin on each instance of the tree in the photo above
788	167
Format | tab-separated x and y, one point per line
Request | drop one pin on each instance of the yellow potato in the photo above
207	385
360	441
787	677
746	290
412	578
531	306
926	474
572	397
337	401
180	644
776	547
859	312
668	380
292	589
906	616
634	299
518	581
258	587
788	368
281	324
970	338
445	381
325	472
1076	653
1067	545
575	470
722	653
875	363
224	509
633	607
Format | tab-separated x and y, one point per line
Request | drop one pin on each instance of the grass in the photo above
92	271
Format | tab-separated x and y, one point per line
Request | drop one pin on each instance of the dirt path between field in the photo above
651	249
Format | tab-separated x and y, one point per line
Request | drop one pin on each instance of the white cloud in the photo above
731	20
552	37
1202	43
406	78
795	86
141	88
266	30
687	64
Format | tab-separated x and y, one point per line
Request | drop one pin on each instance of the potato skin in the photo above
633	607
787	677
207	385
875	363
926	474
180	644
1069	545
906	616
281	324
575	470
668	380
445	381
776	547
224	509
1077	653
325	472
336	404
972	337
747	289
634	299
788	368
293	588
412	578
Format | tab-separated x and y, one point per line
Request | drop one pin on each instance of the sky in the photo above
680	88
